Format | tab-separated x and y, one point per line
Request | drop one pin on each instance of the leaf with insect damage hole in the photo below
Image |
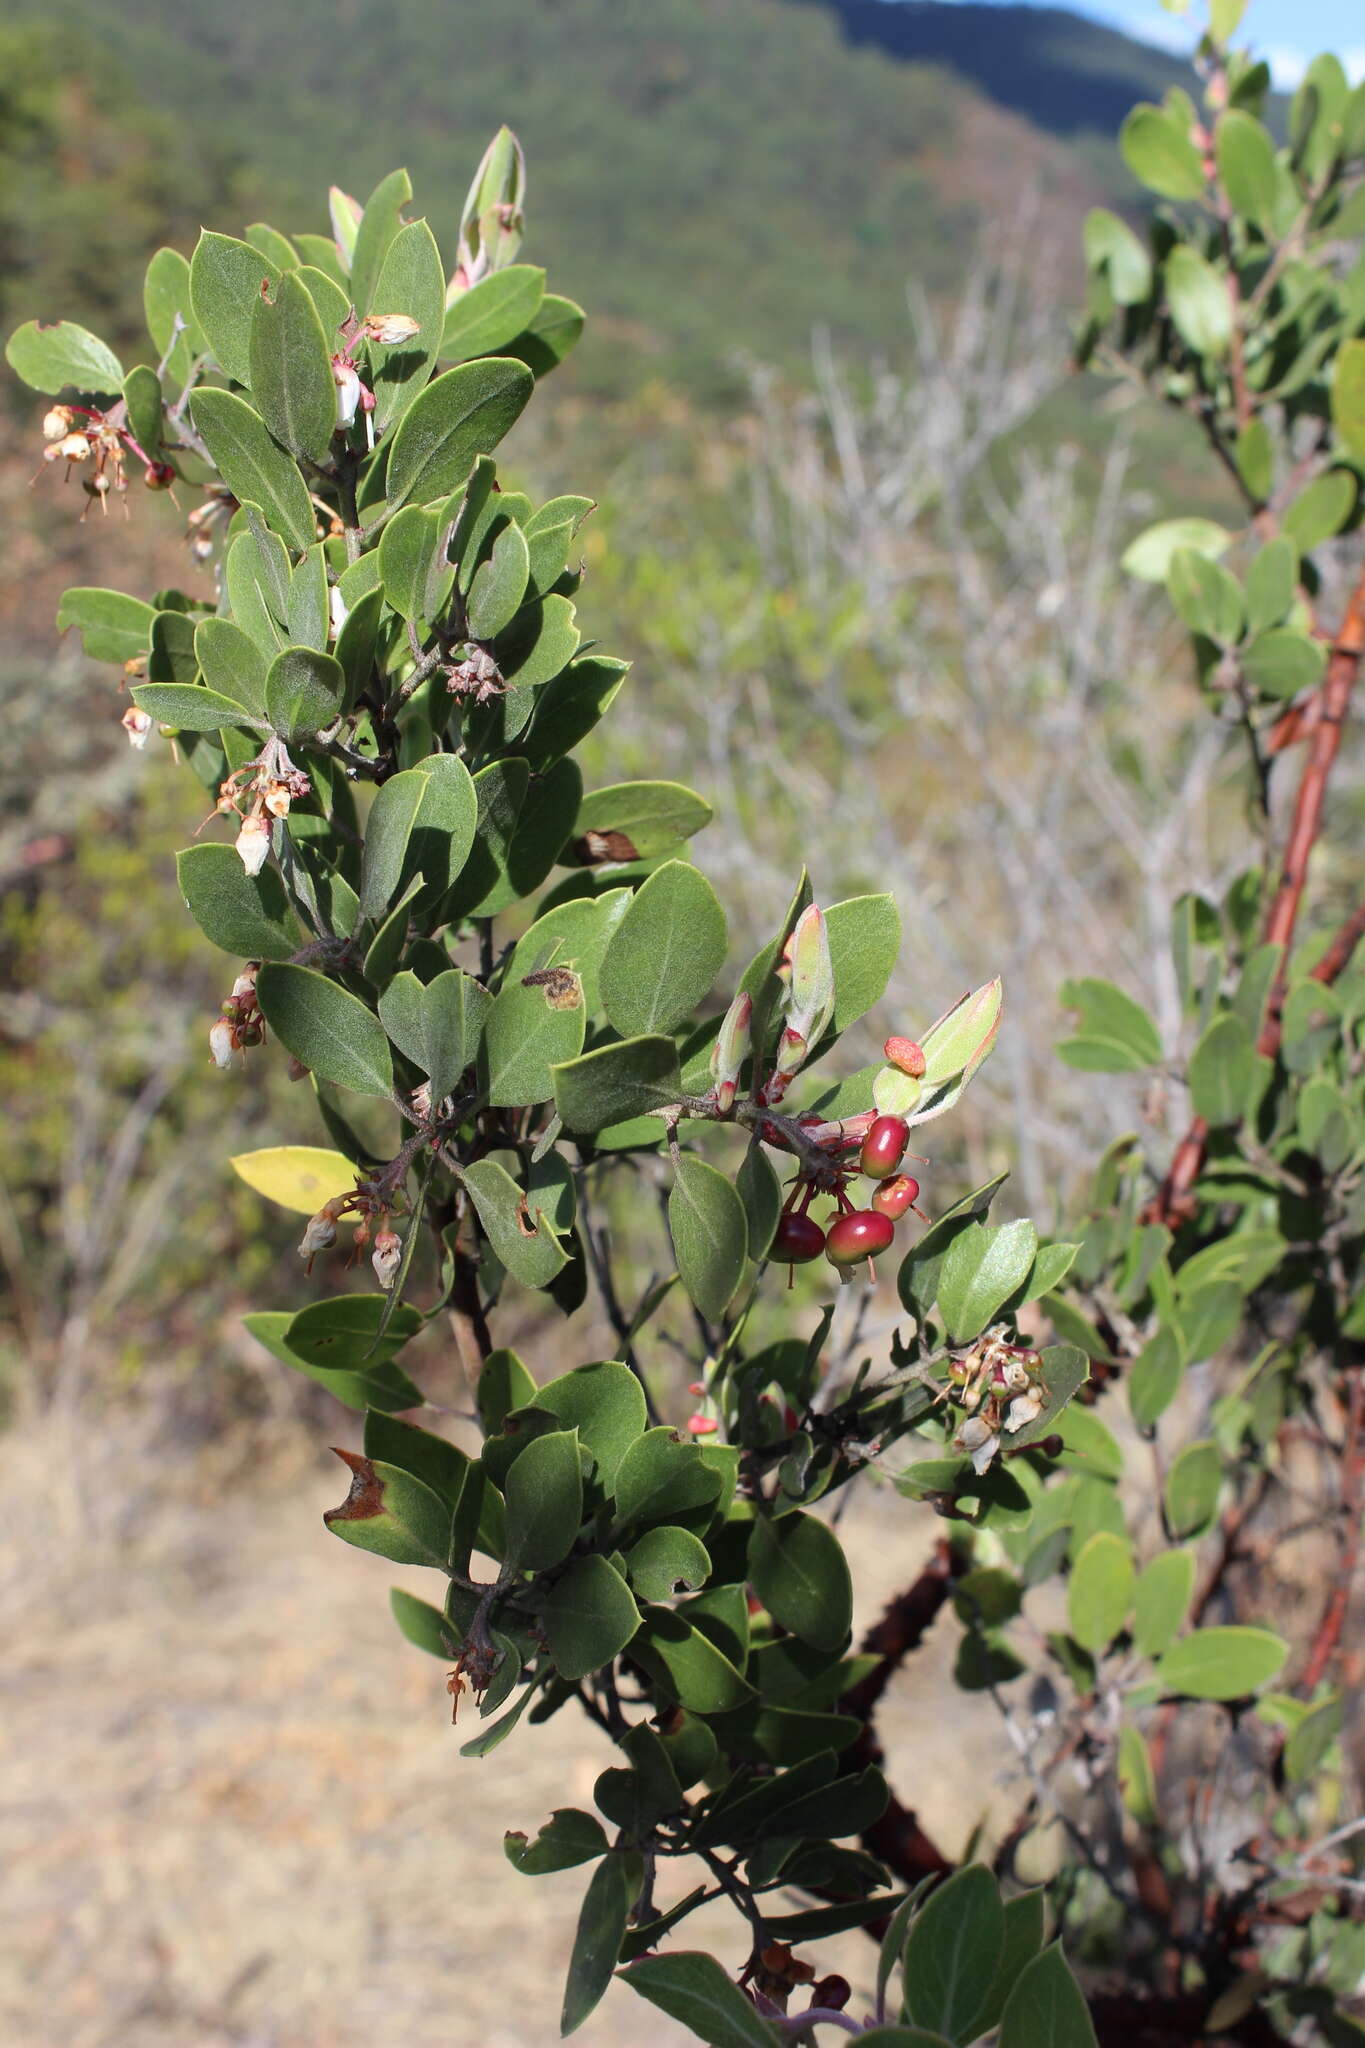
519	1233
534	1023
392	1514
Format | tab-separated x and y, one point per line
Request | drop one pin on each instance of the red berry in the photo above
894	1197
797	1240
883	1147
859	1235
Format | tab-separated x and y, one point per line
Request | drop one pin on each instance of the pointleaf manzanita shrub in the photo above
381	688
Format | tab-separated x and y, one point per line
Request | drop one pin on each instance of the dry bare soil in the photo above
232	1809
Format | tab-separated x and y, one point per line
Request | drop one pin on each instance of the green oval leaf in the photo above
325	1027
693	1989
459	416
1161	1600
59	356
1100	1593
588	1618
1160	154
226	281
666	952
112	627
411	281
800	1573
710	1235
953	1952
1045	2008
247	915
253	466
1148	558
544	1498
1222	1663
291	370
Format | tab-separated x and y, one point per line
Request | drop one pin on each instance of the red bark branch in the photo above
1173	1203
1328	1637
1324	744
1337	958
897	1839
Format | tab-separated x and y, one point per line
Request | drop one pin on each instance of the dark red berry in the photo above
859	1235
894	1197
884	1147
797	1240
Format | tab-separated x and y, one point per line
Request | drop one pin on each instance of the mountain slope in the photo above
1064	73
714	178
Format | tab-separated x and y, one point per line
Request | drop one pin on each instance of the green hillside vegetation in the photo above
720	176
89	169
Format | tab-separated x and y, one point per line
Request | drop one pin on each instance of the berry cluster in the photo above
855	1233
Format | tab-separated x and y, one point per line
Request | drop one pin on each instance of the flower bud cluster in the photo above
80	434
241	1023
209	520
268	786
373	1231
997	1385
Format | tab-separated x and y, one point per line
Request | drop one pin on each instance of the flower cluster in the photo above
241	1023
80	434
371	1204
996	1383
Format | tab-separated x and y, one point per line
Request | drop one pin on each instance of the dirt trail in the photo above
232	1811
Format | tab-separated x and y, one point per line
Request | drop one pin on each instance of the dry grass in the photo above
233	1811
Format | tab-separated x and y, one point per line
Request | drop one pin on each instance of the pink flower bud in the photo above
138	726
253	843
391	328
387	1257
222	1043
702	1425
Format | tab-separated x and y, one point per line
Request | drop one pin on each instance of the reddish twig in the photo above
1337	958
1328	1637
897	1839
1173	1203
1306	824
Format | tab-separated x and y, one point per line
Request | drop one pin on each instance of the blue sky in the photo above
1288	32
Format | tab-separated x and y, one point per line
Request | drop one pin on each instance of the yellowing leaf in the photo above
298	1177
